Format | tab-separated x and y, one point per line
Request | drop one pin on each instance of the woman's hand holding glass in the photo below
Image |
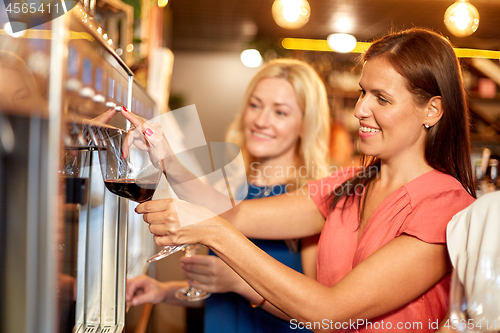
211	274
191	293
168	229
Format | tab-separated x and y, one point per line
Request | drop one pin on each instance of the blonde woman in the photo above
283	131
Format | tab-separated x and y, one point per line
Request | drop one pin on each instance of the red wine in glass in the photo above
132	189
135	176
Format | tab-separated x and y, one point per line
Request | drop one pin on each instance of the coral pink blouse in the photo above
422	208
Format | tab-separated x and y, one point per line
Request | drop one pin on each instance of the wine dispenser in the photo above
65	245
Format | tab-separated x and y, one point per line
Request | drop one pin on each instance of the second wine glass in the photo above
474	293
190	293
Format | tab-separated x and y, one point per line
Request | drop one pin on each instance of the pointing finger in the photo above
135	120
105	117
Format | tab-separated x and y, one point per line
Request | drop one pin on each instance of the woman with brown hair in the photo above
382	259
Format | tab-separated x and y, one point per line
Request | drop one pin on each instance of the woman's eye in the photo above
254	105
281	113
382	100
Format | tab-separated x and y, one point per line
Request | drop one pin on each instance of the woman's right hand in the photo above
211	274
144	289
178	222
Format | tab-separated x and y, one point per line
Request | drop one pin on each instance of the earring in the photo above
427	126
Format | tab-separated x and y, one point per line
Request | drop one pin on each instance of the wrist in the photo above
221	235
244	289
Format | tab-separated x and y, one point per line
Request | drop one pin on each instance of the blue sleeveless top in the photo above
232	313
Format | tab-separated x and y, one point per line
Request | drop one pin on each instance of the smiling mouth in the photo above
262	136
368	129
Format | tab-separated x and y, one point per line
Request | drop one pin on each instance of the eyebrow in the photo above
275	104
283	104
384	92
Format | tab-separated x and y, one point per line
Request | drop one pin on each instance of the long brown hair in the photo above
428	63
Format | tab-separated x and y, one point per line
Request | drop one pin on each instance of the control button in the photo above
87	92
99	98
73	85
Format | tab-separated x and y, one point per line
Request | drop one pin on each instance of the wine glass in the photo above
475	293
133	175
190	293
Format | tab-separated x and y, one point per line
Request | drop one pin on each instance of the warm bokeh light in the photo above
341	43
461	18
20	25
322	46
291	14
343	24
251	58
162	3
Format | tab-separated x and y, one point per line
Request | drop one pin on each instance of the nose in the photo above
361	110
263	118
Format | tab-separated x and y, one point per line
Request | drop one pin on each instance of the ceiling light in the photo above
343	24
461	18
291	14
251	58
341	43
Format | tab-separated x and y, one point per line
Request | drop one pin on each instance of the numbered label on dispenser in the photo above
26	14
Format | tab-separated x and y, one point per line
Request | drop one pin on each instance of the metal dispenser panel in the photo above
63	236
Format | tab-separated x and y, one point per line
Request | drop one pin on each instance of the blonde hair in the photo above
311	96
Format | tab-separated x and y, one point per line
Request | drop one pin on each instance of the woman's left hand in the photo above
177	222
211	274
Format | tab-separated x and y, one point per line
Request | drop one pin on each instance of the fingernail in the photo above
149	132
124	108
122	155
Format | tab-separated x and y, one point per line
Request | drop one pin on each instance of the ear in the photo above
434	111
